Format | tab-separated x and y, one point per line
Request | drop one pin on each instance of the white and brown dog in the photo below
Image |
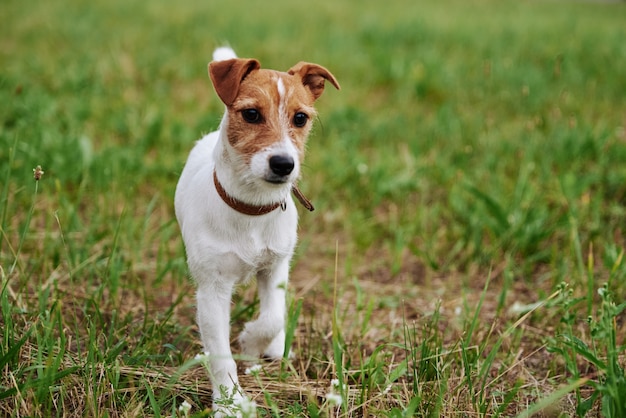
234	206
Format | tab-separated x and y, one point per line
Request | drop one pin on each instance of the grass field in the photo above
466	257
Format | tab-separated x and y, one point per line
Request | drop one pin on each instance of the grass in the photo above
466	257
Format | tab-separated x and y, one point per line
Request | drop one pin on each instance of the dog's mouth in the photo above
274	179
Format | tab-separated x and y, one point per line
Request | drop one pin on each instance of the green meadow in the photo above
466	254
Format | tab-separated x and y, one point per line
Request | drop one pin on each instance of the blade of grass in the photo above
552	398
466	342
4	198
29	217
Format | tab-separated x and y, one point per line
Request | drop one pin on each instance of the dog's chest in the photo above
254	246
243	266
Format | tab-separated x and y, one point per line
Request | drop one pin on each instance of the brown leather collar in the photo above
254	210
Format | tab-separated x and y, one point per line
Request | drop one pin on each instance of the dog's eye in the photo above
300	119
251	115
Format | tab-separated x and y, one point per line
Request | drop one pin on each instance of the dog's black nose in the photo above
281	165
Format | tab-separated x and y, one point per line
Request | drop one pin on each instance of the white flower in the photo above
334	398
334	385
202	356
37	173
185	407
248	407
253	370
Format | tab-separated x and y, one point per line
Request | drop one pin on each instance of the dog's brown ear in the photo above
227	75
313	77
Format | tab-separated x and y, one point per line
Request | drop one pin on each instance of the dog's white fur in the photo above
225	247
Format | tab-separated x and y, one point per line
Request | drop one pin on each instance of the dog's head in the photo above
269	113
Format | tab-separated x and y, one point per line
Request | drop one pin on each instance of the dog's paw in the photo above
250	347
276	349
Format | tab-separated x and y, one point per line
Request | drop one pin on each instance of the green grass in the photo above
466	253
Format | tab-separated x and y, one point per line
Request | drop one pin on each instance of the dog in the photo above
235	210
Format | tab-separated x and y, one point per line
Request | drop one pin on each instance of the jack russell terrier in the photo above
234	207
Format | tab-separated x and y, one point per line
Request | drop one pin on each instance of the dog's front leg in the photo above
214	321
266	335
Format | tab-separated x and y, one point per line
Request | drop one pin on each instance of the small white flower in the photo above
202	356
334	398
334	385
185	407
387	389
37	173
248	407
253	370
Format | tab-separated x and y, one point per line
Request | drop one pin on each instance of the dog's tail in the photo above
223	53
